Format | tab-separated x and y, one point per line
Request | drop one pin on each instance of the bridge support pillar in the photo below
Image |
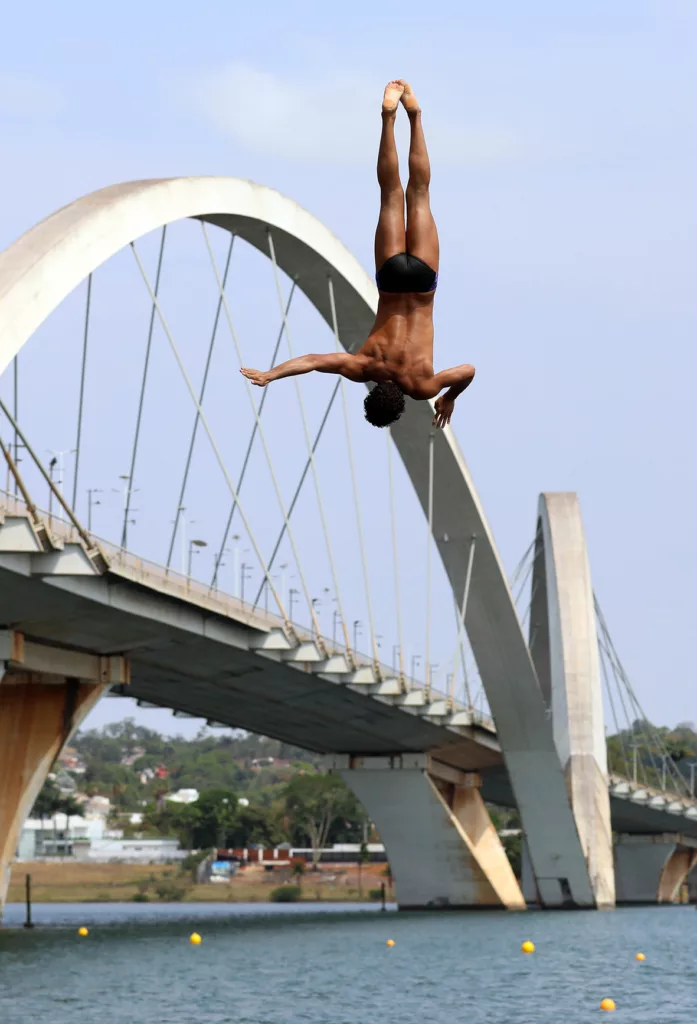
45	693
444	851
564	648
653	869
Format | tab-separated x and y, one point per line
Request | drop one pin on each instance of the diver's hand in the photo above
258	377
444	410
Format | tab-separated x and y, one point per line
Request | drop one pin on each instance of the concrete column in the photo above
443	849
653	869
41	703
564	648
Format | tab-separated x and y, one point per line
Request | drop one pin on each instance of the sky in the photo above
563	140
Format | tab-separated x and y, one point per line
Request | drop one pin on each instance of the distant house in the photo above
183	796
128	760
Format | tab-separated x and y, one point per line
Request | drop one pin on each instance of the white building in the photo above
183	796
87	839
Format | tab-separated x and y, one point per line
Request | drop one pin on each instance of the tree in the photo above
312	803
51	801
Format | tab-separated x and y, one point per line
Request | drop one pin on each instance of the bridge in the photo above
83	616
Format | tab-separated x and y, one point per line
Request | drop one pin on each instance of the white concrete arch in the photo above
564	647
39	270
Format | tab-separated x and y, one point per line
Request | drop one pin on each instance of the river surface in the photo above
290	964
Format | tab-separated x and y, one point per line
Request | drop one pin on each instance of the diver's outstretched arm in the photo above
346	365
455	380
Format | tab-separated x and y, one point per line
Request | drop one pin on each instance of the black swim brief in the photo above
406	273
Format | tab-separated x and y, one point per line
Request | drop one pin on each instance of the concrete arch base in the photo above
653	869
444	851
44	695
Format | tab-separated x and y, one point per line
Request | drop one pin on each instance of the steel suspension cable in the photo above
354	484
429	560
463	660
462	614
310	450
211	438
15	366
395	558
608	688
262	438
245	462
652	734
298	489
519	567
89	543
139	416
81	399
201	394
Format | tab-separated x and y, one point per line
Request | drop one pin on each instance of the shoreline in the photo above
73	881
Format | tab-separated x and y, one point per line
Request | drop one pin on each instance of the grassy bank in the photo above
73	882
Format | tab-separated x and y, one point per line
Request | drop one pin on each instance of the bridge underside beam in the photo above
444	851
653	869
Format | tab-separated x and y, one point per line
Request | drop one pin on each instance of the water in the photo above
330	965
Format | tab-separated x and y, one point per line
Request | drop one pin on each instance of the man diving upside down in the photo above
398	355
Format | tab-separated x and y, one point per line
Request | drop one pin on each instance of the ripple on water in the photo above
288	965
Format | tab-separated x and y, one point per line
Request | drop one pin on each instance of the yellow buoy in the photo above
608	1004
195	939
640	956
82	932
528	947
390	942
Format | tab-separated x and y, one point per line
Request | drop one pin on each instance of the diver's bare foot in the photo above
393	94
408	99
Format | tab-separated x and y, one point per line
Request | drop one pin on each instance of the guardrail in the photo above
176	584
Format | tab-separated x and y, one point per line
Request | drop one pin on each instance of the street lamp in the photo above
243	577
235	561
357	627
291	598
194	544
91	502
336	616
395	652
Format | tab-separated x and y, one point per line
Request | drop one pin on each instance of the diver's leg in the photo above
422	235
390	236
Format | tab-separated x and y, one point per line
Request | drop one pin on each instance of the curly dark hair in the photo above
384	404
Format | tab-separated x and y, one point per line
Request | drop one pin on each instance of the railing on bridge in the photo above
177	584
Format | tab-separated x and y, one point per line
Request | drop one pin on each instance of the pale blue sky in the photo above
565	155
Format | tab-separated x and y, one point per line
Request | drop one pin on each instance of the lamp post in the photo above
283	567
51	467
336	616
235	561
90	503
194	544
357	626
244	576
395	652
292	593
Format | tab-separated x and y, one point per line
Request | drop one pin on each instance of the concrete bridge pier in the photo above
45	692
444	851
653	868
